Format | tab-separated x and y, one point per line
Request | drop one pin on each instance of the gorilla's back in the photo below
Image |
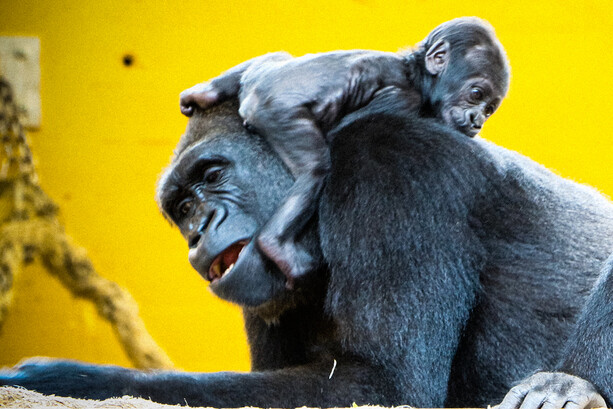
547	239
535	241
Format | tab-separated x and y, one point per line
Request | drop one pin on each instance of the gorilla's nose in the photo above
476	119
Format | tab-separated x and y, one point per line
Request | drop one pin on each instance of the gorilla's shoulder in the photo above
385	143
386	137
529	177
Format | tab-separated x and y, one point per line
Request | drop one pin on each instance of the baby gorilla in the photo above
458	74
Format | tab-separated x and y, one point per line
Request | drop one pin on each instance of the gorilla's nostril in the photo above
250	128
193	241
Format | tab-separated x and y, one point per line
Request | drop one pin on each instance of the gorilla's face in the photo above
222	186
472	87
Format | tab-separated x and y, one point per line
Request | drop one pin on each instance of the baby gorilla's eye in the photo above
489	110
476	94
212	175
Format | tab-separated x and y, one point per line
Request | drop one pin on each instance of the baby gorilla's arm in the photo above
330	84
223	87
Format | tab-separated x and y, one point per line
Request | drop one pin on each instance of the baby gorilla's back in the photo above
318	87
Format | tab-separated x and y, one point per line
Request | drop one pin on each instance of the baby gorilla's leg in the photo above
277	240
293	134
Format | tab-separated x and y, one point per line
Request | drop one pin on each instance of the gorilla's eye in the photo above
476	94
212	175
489	110
185	207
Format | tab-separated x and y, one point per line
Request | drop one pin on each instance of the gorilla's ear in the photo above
437	57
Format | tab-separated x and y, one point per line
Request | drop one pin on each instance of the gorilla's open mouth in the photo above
224	262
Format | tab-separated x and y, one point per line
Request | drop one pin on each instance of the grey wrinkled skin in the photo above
553	390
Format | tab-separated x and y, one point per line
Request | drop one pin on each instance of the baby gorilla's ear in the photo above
437	57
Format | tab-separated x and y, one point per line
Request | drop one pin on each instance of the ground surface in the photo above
19	398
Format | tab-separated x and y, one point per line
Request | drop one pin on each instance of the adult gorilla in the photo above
450	268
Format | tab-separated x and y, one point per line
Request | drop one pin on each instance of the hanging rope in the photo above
30	230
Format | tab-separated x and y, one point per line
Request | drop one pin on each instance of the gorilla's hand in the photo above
67	378
553	390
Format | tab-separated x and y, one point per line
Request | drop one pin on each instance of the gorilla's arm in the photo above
589	351
587	356
315	383
288	372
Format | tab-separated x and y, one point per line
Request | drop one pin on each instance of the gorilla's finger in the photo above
585	402
514	398
576	404
187	110
556	402
534	400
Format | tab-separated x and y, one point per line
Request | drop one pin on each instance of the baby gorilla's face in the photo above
467	107
471	87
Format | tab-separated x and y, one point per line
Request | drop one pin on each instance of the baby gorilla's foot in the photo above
292	259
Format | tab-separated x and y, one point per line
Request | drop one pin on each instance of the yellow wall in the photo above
108	130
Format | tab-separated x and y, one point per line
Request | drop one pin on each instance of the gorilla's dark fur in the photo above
450	269
589	351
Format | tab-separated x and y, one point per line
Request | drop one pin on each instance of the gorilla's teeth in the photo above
229	268
217	269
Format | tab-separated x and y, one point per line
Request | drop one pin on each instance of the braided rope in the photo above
30	230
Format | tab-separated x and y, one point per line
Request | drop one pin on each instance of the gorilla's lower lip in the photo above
468	129
224	262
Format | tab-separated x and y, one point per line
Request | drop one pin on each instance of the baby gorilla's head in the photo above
469	70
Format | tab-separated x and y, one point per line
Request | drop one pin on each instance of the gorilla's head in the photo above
222	185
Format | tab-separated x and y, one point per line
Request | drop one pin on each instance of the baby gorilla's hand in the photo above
553	390
223	87
202	95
